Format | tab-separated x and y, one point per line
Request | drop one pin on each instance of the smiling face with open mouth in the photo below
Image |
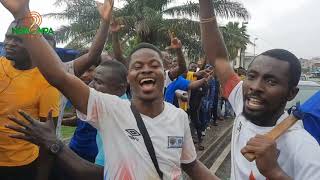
146	75
266	90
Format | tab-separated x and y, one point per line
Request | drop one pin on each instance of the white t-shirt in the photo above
299	153
126	156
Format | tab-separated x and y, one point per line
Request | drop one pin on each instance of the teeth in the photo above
145	80
255	101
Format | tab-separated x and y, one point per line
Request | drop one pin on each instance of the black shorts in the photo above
26	172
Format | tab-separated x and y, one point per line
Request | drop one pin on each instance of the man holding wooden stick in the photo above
259	102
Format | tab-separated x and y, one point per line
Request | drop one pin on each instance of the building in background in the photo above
243	60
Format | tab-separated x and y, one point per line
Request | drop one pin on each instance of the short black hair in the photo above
294	64
147	46
119	70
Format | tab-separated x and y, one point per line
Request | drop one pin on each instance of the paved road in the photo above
224	170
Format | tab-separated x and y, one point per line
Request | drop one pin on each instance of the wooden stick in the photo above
275	133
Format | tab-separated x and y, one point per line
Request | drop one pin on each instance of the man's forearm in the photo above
181	68
213	43
51	67
77	167
181	61
210	35
196	170
117	49
86	61
197	84
279	175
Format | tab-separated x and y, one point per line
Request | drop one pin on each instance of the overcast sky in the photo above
287	24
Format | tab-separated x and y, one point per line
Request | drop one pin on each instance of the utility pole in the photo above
254	46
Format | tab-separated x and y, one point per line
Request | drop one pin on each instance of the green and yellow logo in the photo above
34	29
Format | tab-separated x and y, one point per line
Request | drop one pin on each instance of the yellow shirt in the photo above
29	91
190	76
184	105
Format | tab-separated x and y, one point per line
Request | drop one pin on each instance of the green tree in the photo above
236	38
145	21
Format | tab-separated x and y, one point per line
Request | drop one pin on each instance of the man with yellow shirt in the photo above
22	86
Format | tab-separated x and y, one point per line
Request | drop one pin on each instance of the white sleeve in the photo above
100	106
307	159
236	98
189	153
69	67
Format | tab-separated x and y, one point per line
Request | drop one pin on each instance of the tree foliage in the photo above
145	21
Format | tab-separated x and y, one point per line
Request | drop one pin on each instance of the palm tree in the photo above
144	20
235	37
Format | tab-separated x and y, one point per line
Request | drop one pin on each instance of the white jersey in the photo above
126	156
299	153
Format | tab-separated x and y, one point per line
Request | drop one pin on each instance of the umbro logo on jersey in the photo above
132	133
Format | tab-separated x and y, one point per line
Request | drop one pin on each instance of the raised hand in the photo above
175	42
266	153
116	26
42	134
18	8
105	9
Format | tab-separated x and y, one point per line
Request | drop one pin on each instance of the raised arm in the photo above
213	43
197	84
116	46
196	170
46	58
176	45
85	61
206	76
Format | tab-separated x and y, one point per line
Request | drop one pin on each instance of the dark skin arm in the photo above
52	68
213	43
196	170
43	135
197	84
84	62
116	46
181	68
82	169
266	154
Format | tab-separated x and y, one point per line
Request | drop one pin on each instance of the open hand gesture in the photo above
266	153
18	8
105	9
175	42
39	133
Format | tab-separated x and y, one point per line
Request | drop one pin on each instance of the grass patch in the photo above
67	131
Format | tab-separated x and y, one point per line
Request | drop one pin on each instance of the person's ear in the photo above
292	93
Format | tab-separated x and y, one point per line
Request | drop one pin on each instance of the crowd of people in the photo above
139	117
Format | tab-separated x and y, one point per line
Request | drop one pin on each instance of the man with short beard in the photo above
259	102
126	153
